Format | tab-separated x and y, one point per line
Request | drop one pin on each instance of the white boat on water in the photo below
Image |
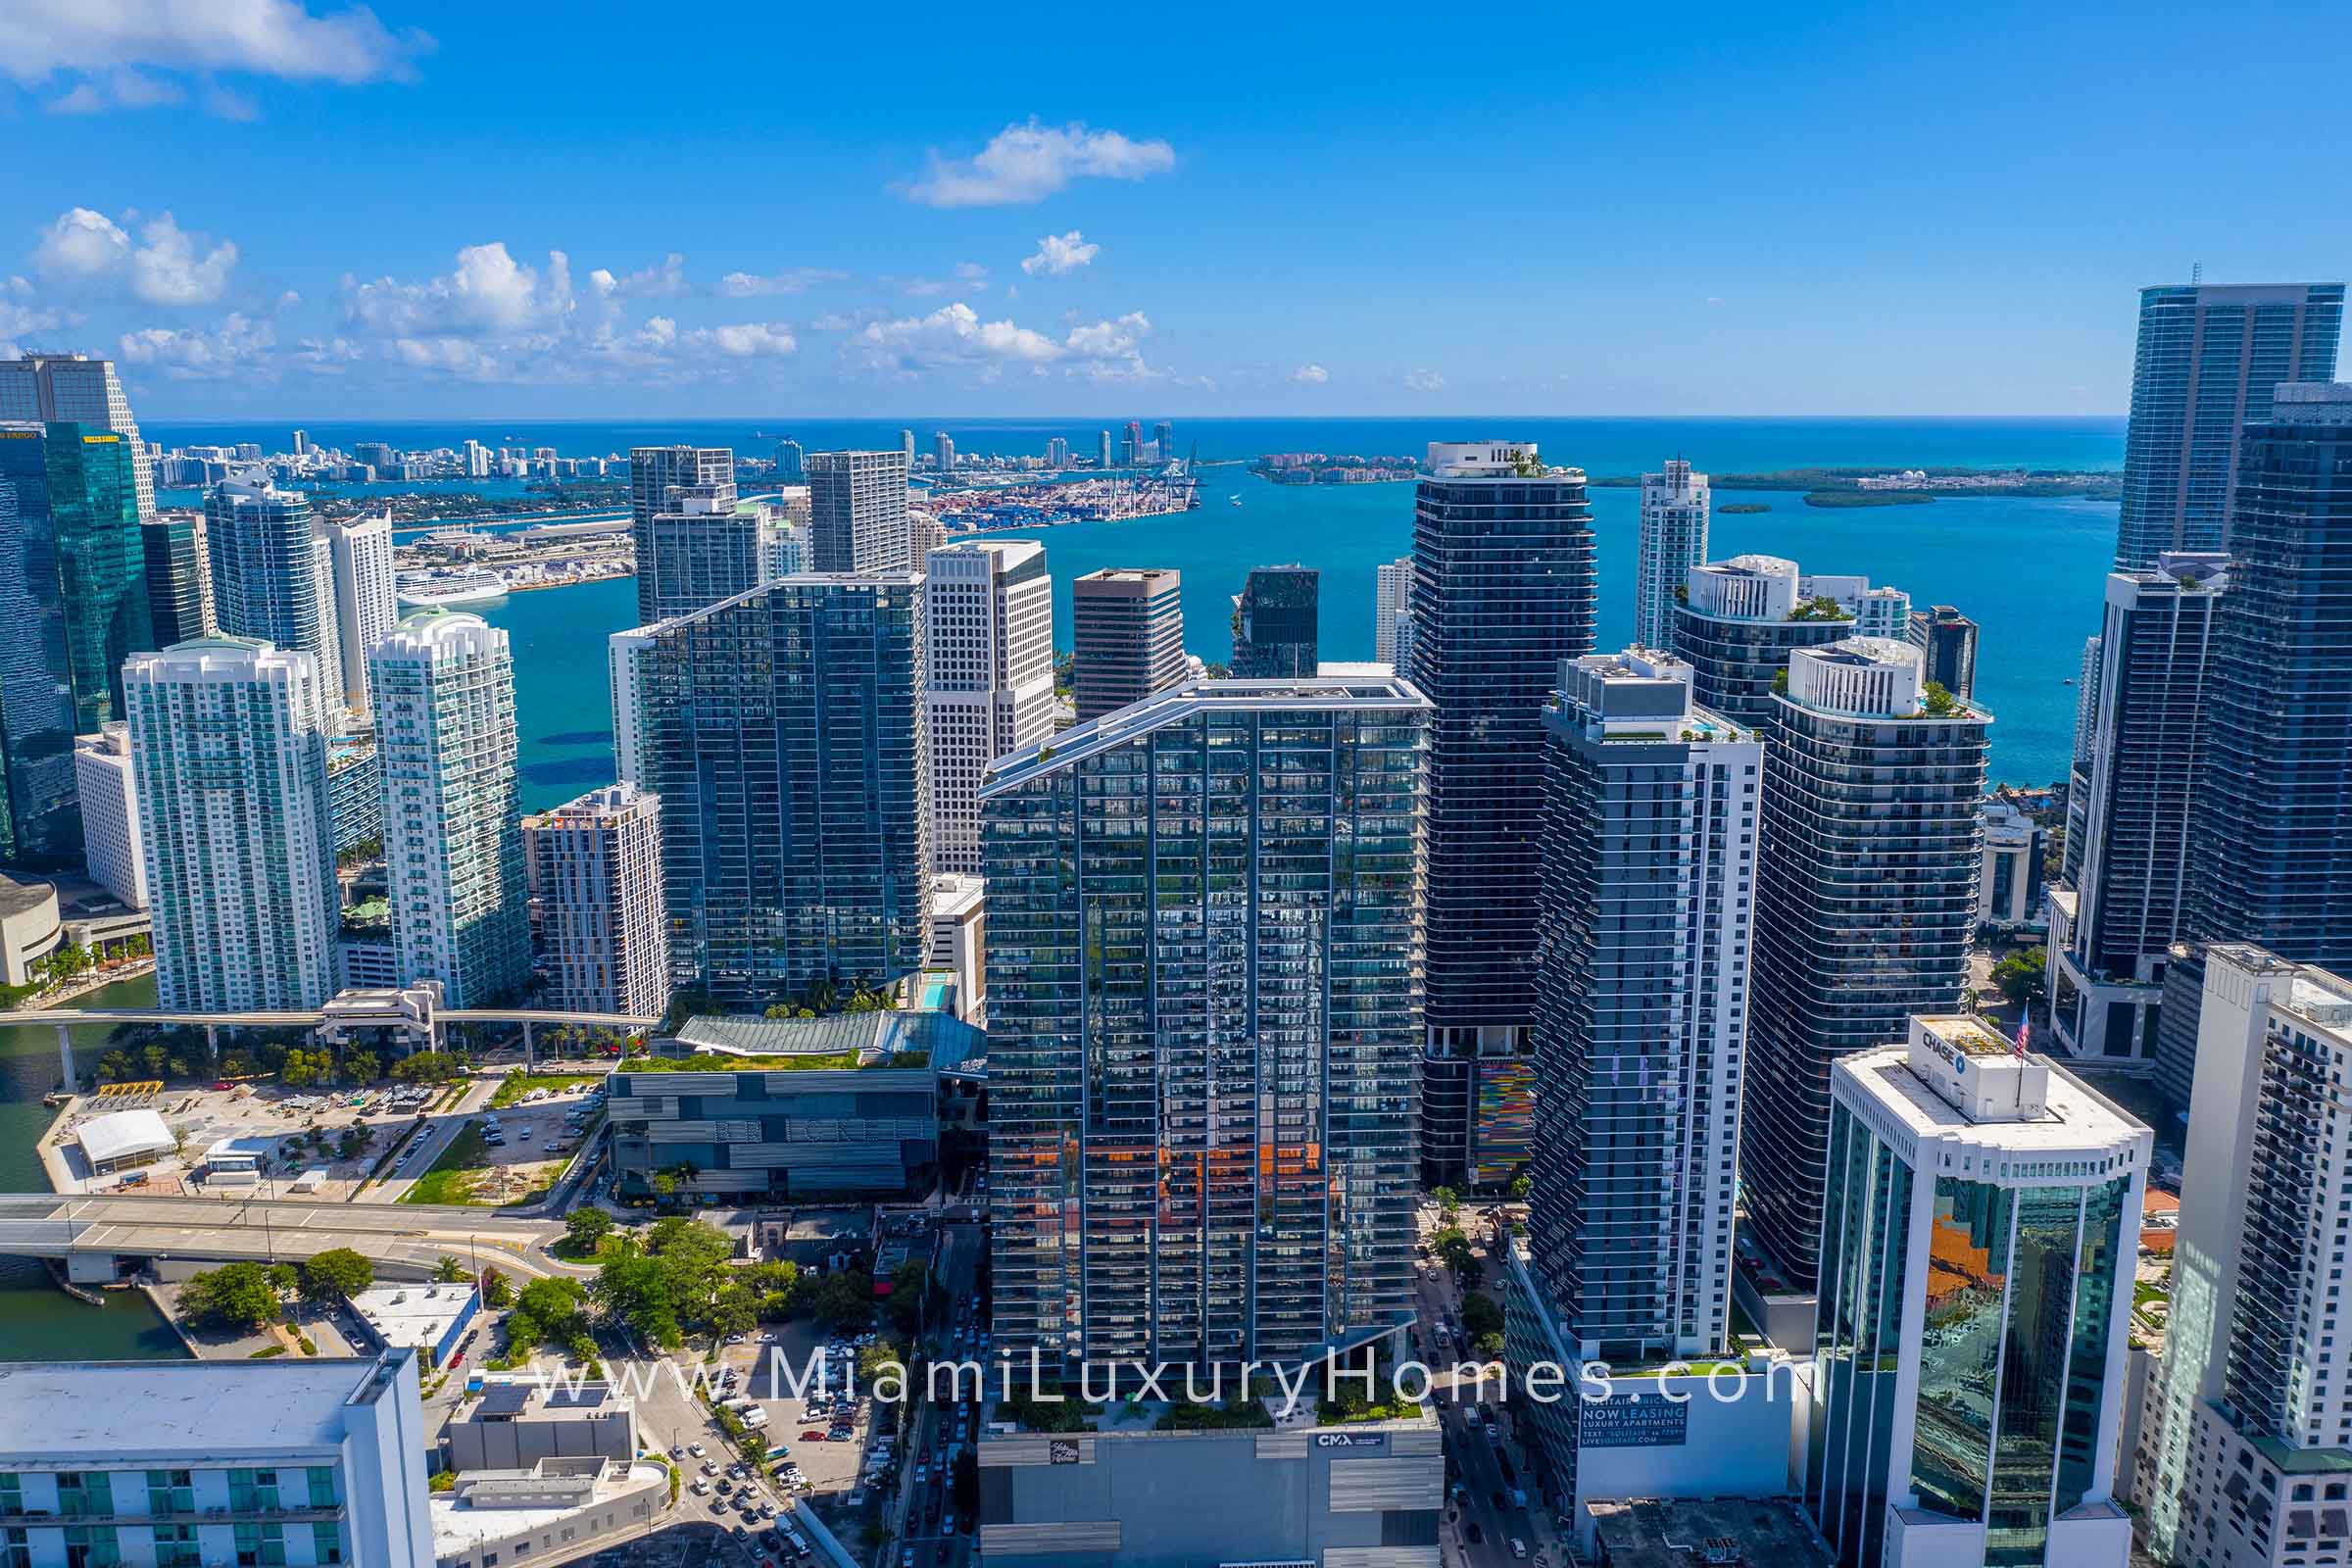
449	590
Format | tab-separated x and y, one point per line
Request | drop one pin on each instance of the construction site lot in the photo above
510	1156
288	1133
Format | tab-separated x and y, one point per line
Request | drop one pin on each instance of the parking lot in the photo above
288	1131
488	1158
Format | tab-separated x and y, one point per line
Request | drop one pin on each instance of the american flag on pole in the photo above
2024	1028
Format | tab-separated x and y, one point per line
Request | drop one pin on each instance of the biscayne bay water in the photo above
2028	572
37	1321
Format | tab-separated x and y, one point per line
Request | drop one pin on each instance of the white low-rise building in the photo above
110	814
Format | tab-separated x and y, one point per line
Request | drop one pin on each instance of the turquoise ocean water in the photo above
2028	572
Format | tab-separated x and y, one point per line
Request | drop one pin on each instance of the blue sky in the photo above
279	208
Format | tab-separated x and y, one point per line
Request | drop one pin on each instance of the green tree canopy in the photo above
336	1275
235	1296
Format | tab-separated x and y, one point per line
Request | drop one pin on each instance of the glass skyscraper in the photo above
2274	856
1866	901
1641	1007
102	564
39	825
653	473
1503	592
2208	359
179	577
1978	1241
787	748
1204	982
1274	623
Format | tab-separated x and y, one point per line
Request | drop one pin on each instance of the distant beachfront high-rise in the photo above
596	878
942	451
1057	452
1674	539
1970	1360
988	686
228	756
443	688
38	716
1646	864
179	577
366	604
1503	592
788	753
110	814
627	656
1392	598
2208	359
857	511
1864	914
2132	804
653	473
76	389
1275	621
1164	439
1202	1082
1103	449
1127	637
790	462
2274	845
273	573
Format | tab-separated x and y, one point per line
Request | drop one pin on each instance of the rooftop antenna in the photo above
2196	273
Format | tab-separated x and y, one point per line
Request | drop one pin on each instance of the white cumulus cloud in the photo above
487	293
1058	254
1311	376
1028	163
168	266
1424	381
666	281
956	335
282	38
791	280
240	345
746	339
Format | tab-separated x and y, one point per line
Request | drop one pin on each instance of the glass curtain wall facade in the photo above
786	746
179	577
102	564
1503	591
1274	623
40	824
1866	901
2275	840
1204	977
2016	1307
2208	359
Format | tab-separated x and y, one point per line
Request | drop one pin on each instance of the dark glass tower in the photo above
179	594
2274	848
1203	1022
2114	926
2208	359
40	822
1865	899
1274	623
102	564
786	750
1503	586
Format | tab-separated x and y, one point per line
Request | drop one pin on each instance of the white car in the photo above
696	1449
